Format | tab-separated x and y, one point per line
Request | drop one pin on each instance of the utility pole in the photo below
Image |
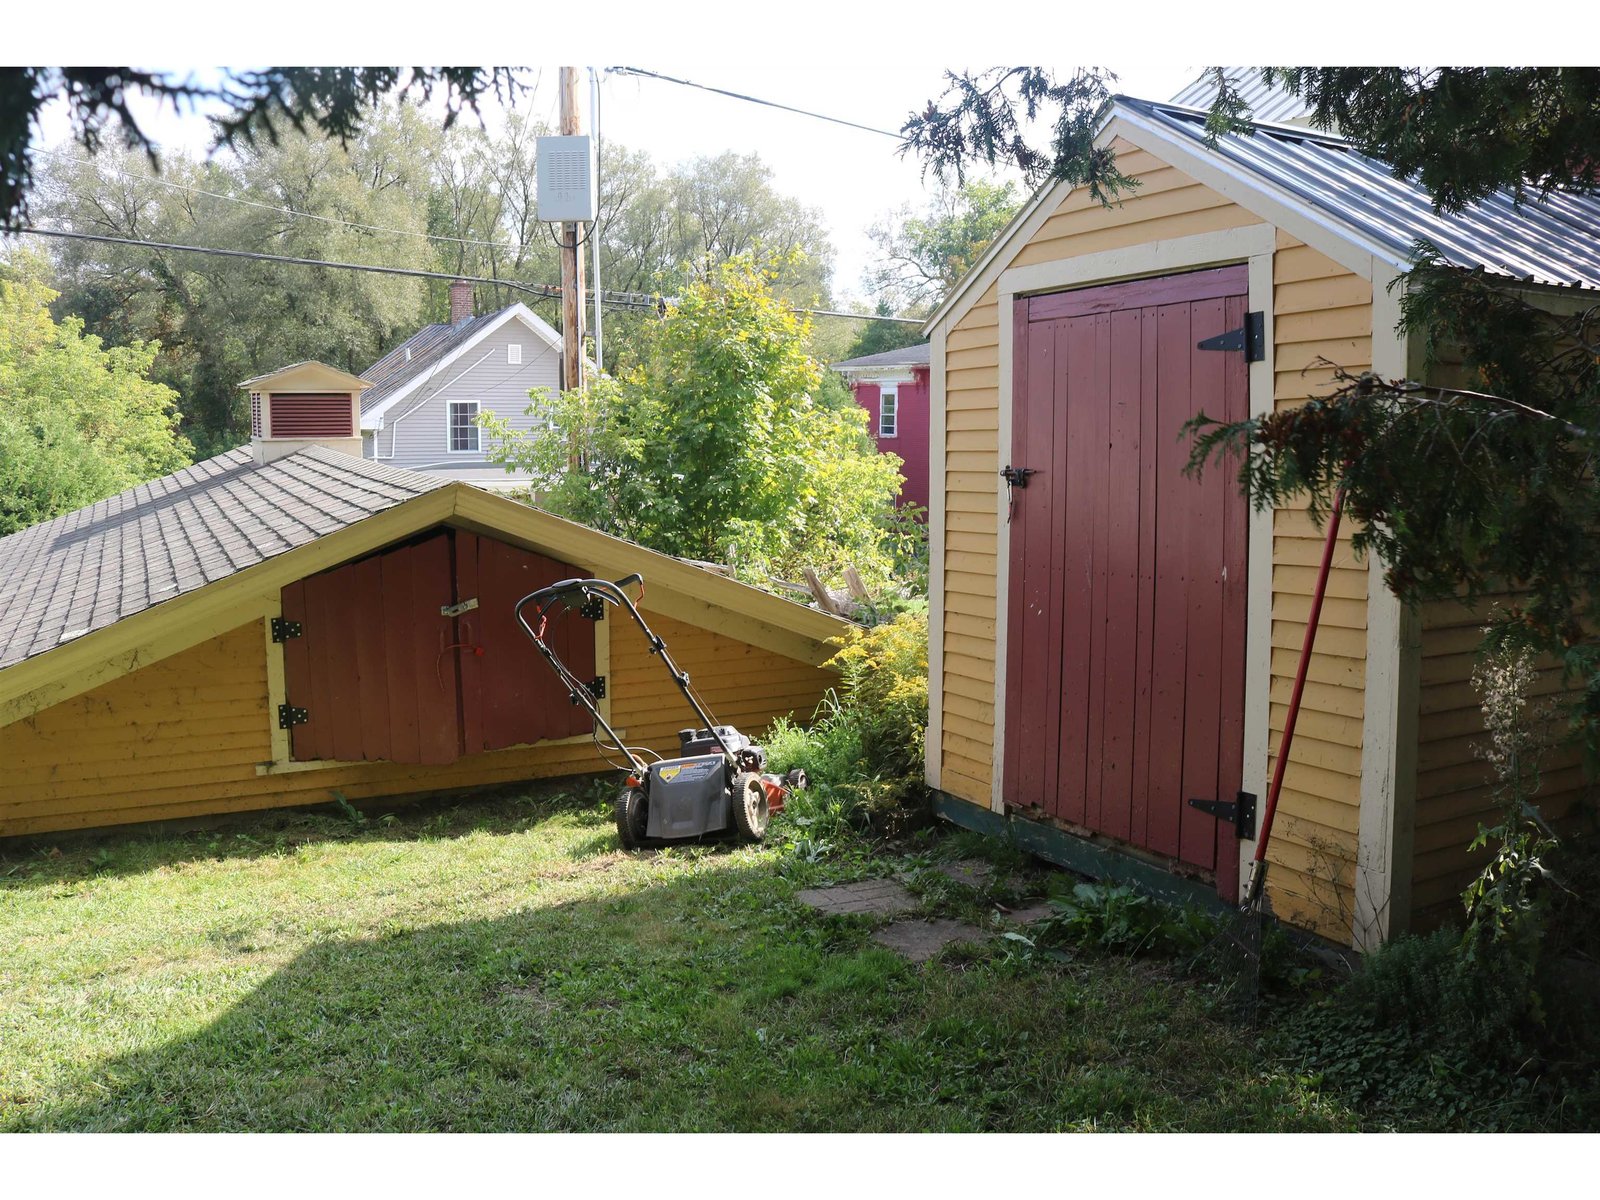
571	259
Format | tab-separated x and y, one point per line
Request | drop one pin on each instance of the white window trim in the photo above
477	433
887	391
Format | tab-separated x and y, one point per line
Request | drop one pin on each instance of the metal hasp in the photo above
283	630
289	716
1251	337
1016	477
455	610
1240	811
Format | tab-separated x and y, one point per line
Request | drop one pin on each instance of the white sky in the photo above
864	61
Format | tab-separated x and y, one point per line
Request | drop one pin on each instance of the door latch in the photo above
455	610
1016	477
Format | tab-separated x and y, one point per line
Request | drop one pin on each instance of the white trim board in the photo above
372	419
1390	699
933	745
1254	245
1311	225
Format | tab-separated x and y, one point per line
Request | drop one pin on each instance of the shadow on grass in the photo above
45	860
655	1008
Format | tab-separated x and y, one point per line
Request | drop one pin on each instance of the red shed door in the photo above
1124	673
414	655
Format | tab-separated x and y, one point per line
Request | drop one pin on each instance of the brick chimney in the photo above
460	301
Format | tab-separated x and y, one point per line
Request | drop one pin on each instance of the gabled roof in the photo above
88	569
1553	241
1267	101
1353	199
905	356
318	373
433	346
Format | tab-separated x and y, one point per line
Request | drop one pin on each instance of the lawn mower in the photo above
716	787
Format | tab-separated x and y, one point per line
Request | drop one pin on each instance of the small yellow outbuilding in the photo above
289	620
1111	639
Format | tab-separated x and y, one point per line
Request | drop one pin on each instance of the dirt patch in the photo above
869	897
921	940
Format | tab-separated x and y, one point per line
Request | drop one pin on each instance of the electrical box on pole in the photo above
566	178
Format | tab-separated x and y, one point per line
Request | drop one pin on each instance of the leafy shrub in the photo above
1115	917
1425	1033
863	751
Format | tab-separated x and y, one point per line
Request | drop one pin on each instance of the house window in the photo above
514	353
888	411
463	426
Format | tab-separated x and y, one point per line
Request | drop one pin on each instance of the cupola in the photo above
306	404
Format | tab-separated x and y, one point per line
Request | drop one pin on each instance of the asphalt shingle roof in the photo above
906	356
88	569
1554	241
428	345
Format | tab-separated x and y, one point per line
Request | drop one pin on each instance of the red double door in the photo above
1125	654
414	655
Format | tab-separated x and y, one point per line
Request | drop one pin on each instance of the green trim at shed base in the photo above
1095	860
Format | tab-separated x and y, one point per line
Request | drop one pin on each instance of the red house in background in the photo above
893	388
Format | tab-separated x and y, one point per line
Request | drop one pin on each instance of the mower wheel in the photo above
749	806
632	818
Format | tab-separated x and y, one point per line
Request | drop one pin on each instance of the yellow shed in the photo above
288	620
1110	639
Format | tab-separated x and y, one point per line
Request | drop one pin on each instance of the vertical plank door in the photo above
1124	672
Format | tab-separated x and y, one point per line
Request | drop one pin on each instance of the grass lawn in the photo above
499	964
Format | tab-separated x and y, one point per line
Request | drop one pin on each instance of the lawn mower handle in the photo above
610	593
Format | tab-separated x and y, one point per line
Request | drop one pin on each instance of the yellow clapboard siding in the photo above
959	420
979	462
980	712
1320	752
1347	585
973	626
1292	264
1307	327
1325	298
1337	612
970	665
962	684
1351	353
1335	700
1345	643
975	356
985	441
964	781
1324	668
972	522
974	543
185	763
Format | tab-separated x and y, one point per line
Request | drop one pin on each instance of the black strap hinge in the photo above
596	687
289	716
1241	812
283	630
1251	337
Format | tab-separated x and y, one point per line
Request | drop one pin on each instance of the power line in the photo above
285	210
753	100
542	291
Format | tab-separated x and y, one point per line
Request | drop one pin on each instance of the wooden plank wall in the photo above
1168	204
183	737
1321	311
1454	791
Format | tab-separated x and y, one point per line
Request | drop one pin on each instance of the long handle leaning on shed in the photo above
1258	866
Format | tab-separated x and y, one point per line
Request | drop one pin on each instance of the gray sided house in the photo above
421	411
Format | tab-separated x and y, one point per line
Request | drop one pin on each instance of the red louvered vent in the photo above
312	415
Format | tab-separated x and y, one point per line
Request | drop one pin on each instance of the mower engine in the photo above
718	783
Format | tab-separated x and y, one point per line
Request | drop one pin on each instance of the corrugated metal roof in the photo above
1267	102
1551	241
90	568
